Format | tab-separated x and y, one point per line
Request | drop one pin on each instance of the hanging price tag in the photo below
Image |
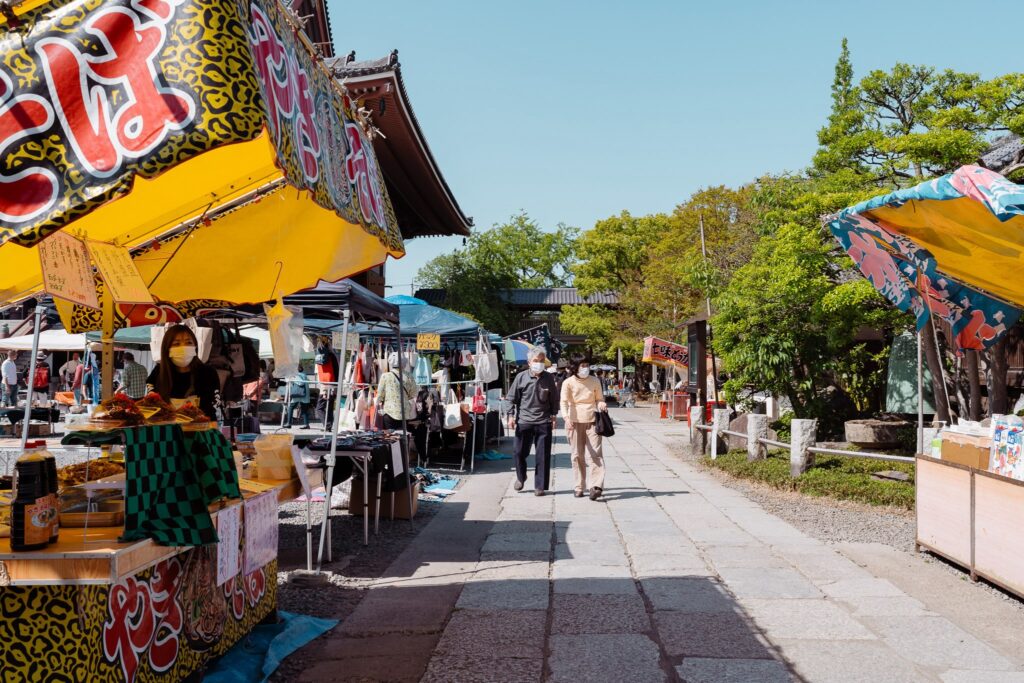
67	273
338	337
119	273
426	341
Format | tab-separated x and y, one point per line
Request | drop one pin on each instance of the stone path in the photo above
672	577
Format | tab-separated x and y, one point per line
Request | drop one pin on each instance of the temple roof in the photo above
424	204
547	298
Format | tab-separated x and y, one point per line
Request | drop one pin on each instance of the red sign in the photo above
665	353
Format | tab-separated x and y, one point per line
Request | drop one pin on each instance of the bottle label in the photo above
38	519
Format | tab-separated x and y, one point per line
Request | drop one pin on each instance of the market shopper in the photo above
9	377
67	372
581	398
133	377
180	377
534	398
390	393
299	398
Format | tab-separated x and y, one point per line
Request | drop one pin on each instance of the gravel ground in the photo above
837	521
354	569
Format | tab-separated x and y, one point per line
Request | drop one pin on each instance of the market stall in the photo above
951	248
454	342
674	359
166	189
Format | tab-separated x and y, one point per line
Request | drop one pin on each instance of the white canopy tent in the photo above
49	340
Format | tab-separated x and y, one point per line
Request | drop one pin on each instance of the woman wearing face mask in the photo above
180	377
581	398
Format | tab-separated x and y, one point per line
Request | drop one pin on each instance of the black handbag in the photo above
603	424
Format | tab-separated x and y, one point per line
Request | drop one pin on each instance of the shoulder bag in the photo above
603	424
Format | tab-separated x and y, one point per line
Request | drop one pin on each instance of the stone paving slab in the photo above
596	657
721	635
937	642
470	669
698	670
695	595
768	582
806	620
579	614
510	633
856	661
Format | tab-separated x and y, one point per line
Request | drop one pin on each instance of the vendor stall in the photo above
163	189
951	248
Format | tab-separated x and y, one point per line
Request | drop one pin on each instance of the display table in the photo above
971	517
91	608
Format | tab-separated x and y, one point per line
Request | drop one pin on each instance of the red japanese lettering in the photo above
287	92
145	616
362	173
26	194
111	105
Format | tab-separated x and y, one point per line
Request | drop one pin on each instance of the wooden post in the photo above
107	341
757	428
804	436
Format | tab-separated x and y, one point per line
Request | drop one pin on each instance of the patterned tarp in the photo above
951	246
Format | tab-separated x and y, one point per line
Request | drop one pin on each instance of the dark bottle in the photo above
52	485
32	511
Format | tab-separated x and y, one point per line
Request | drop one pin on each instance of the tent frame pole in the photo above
405	426
37	319
329	478
920	397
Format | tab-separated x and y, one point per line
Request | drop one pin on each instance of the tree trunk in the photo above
998	400
931	354
974	381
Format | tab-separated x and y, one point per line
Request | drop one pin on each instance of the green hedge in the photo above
832	476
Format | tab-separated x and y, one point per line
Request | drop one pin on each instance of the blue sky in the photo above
574	111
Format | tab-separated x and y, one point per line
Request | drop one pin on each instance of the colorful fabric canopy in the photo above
203	136
953	247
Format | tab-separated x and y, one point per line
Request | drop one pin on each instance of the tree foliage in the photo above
514	254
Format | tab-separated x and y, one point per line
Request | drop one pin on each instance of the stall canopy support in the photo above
329	478
37	324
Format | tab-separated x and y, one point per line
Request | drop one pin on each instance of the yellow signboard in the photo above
119	273
426	341
67	273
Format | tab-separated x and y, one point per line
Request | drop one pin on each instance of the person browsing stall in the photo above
390	390
581	399
179	376
534	397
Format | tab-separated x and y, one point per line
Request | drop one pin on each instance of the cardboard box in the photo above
964	449
355	505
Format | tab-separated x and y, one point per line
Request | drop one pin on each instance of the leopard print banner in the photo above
78	319
163	624
98	92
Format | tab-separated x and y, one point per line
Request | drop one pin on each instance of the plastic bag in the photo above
486	362
285	325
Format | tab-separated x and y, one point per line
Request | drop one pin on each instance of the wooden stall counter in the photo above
94	556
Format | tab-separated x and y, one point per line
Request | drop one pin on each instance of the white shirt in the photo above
9	371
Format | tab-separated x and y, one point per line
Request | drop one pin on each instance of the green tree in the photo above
507	256
612	257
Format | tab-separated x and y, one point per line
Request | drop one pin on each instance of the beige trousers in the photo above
583	442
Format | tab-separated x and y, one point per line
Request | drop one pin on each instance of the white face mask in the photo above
583	373
182	356
536	368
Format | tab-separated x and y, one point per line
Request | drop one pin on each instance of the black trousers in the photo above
538	436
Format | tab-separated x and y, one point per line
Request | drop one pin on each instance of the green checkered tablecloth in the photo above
214	463
164	499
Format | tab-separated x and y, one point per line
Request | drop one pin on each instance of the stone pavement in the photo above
672	577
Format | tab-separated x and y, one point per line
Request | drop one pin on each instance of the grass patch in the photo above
832	476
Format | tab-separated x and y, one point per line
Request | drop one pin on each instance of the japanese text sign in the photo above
119	273
427	341
665	353
67	273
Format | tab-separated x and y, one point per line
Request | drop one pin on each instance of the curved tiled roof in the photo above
424	203
549	297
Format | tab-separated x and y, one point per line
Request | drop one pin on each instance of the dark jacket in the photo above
534	398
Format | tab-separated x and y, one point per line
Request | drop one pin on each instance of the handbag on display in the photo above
486	362
480	401
603	423
453	416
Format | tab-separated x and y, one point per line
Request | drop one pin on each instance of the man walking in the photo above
534	397
133	377
9	377
67	372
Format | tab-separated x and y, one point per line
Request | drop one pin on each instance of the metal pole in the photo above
920	398
334	446
405	427
707	300
107	341
31	377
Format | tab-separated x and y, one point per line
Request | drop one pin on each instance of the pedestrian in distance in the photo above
534	398
581	399
9	376
133	377
299	398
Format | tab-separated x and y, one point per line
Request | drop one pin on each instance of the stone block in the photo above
757	428
804	436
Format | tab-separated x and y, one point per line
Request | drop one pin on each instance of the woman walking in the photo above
581	399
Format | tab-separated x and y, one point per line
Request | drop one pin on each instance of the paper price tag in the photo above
426	341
